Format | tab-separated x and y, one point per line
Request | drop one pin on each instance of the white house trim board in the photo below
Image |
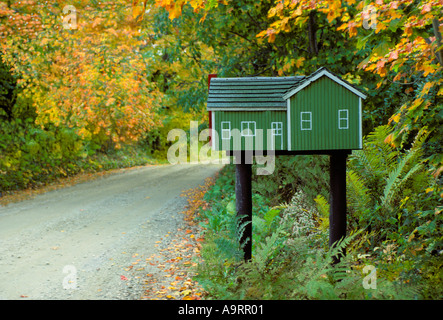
213	140
360	116
318	76
288	112
245	109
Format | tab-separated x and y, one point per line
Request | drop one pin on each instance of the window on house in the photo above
248	128
277	131
226	130
343	119
277	128
306	120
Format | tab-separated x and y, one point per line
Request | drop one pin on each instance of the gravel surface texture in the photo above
79	242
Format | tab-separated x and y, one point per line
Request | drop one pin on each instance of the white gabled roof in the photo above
317	75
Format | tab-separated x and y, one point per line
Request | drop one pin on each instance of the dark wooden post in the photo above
243	194
337	214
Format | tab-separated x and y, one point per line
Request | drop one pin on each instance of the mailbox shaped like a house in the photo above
318	112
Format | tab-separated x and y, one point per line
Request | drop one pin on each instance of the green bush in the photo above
309	173
391	193
291	262
32	156
394	219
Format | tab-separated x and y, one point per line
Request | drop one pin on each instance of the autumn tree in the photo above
403	41
90	73
396	46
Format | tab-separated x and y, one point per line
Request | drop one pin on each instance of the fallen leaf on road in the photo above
123	278
176	260
186	292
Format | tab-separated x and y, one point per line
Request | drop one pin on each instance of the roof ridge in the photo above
257	78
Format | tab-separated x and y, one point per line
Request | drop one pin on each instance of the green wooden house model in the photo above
319	112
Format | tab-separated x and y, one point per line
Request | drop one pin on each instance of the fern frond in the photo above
407	164
393	179
229	246
358	193
417	144
239	230
395	183
265	251
323	209
338	248
376	157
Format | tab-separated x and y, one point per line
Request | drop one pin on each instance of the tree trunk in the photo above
312	34
439	53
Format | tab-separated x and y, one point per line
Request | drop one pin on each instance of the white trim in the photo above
252	131
255	79
223	130
279	128
346	118
302	120
318	76
288	112
360	125
246	109
213	130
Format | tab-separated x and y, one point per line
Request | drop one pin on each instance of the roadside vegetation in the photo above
105	95
394	231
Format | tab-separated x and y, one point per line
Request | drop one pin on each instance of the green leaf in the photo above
271	214
230	208
382	49
395	24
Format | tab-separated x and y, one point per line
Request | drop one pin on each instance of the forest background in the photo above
93	85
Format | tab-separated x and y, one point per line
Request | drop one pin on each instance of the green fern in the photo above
377	178
228	242
265	251
407	164
374	161
358	194
395	182
323	210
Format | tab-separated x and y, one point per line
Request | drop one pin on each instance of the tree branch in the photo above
242	36
438	39
261	72
439	53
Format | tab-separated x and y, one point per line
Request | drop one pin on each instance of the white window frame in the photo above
246	125
346	118
302	120
224	130
277	130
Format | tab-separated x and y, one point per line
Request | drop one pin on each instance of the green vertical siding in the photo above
263	121
323	98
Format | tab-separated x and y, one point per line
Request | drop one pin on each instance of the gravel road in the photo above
77	242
